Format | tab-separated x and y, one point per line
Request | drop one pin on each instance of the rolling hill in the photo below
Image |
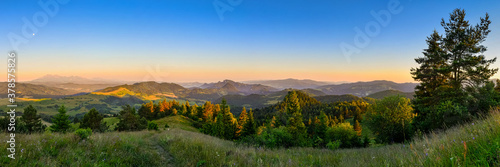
258	101
145	90
154	91
336	98
385	93
366	88
236	87
31	91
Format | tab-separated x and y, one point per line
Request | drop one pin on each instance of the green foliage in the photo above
343	133
166	125
391	119
60	122
152	126
454	70
177	147
275	137
201	163
83	133
130	121
357	128
445	114
249	126
333	145
32	121
93	120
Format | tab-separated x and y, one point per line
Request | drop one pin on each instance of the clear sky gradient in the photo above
186	40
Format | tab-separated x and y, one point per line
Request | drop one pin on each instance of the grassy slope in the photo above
178	147
178	121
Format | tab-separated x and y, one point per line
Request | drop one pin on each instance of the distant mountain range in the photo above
260	92
290	83
109	97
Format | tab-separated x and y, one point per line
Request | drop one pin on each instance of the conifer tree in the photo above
357	128
93	120
33	122
249	128
60	122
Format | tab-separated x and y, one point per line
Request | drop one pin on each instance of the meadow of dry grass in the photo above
473	144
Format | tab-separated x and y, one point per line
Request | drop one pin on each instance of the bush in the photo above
333	145
166	125
152	126
391	119
130	121
446	114
275	137
345	134
83	133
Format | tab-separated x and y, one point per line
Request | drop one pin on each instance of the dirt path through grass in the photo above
154	144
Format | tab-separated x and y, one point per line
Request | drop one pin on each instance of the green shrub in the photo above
152	126
391	119
333	145
83	133
166	125
275	137
344	133
446	114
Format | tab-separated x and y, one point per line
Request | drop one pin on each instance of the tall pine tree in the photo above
32	121
60	122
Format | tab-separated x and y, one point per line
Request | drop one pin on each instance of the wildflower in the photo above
403	146
472	123
22	150
289	160
473	138
373	157
426	154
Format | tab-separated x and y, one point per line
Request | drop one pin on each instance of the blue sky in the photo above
187	41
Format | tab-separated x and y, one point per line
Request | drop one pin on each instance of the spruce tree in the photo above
60	122
32	121
249	128
93	120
